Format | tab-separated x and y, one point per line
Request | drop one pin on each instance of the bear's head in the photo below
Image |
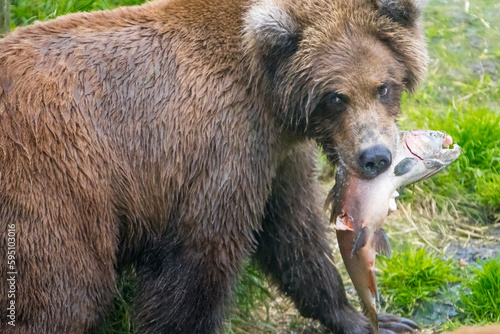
334	70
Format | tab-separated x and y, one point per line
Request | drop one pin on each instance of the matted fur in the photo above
178	137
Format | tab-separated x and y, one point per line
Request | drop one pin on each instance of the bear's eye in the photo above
382	91
337	101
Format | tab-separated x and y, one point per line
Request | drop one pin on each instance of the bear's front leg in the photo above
178	292
182	289
186	275
293	249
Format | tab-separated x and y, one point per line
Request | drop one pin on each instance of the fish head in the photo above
426	144
422	154
359	202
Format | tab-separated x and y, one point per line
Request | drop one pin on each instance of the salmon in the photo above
360	206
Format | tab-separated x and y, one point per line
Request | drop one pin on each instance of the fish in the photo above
360	206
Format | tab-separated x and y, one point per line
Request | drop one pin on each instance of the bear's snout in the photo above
374	160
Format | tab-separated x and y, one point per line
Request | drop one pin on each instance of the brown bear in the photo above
179	137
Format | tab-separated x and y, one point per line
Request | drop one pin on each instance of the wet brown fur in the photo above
177	136
492	329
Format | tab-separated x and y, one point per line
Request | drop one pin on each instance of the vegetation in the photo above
252	292
473	181
24	12
413	277
4	16
480	301
120	319
461	96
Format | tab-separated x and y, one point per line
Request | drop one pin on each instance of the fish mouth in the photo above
436	145
432	148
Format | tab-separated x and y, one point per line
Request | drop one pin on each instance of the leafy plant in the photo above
412	277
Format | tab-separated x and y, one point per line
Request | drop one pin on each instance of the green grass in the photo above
480	300
474	179
24	12
120	319
413	277
461	96
252	291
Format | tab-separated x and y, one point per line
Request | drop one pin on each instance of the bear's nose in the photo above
374	160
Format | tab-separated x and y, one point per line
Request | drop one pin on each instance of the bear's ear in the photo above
404	12
272	34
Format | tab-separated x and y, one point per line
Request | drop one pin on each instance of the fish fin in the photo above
382	245
404	166
360	241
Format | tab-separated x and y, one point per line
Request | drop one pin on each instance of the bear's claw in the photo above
392	324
